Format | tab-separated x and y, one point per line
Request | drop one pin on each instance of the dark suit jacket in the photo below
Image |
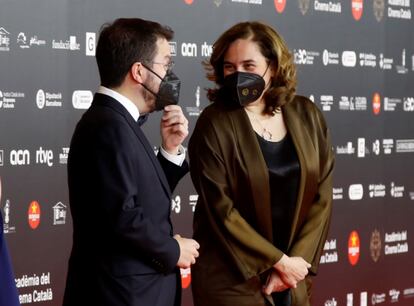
232	221
8	290
123	251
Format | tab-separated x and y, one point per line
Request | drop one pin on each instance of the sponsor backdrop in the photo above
355	60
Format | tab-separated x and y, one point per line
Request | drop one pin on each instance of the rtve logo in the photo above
189	49
44	157
19	157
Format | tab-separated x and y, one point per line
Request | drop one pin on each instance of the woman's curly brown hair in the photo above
283	87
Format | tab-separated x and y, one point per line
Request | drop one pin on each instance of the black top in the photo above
284	175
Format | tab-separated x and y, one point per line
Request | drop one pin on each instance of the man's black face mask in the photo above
169	91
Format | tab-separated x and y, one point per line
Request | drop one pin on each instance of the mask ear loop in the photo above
152	71
145	86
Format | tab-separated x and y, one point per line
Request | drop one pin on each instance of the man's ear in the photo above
136	72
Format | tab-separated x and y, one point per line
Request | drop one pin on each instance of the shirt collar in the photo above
125	102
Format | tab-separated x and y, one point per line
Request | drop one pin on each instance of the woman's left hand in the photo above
274	284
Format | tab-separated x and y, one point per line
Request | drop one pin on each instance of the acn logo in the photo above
19	157
189	49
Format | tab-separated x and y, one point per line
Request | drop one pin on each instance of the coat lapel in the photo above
308	160
256	170
104	100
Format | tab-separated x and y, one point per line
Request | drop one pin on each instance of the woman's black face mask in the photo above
244	87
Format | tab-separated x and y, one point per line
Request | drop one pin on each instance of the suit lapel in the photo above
107	101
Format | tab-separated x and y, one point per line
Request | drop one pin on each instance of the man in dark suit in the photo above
8	290
124	251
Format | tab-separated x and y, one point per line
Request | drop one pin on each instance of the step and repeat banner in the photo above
355	60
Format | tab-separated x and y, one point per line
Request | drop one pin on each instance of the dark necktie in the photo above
142	119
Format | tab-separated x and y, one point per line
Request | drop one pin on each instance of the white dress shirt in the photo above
133	110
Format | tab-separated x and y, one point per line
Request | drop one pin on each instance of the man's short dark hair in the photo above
124	42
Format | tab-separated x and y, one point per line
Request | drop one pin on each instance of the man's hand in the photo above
174	128
274	284
188	251
292	270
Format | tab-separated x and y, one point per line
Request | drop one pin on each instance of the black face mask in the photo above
169	91
244	87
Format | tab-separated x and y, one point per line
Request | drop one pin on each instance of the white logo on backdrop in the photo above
90	43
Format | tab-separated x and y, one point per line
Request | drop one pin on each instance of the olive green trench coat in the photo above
232	220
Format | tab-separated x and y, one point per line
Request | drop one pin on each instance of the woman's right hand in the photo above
292	270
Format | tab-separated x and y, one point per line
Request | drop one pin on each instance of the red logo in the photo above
280	5
34	214
185	278
189	2
353	248
376	103
357	8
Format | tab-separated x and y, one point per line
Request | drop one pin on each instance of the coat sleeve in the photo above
311	238
252	253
